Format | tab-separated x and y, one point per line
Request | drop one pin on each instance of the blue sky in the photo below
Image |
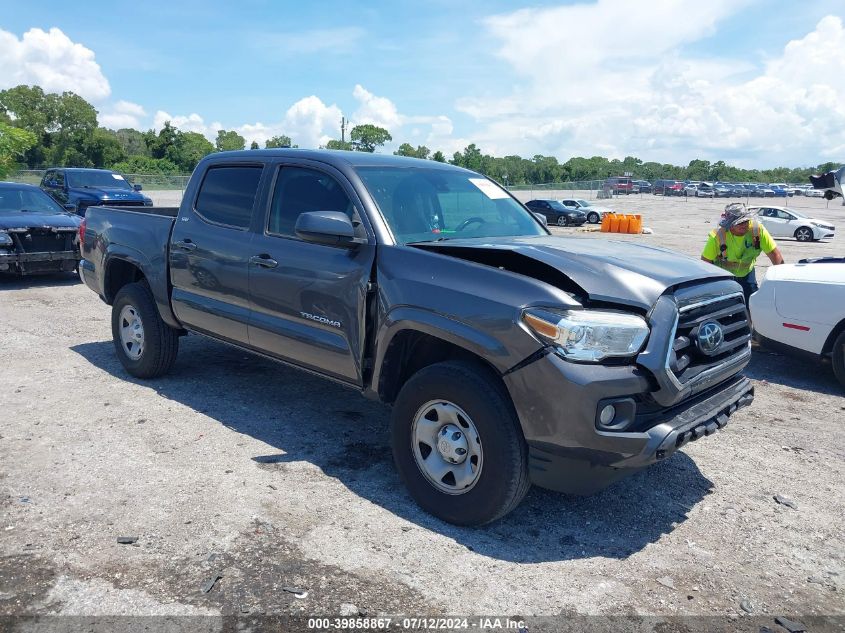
663	80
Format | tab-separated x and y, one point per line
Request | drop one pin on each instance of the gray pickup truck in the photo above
509	356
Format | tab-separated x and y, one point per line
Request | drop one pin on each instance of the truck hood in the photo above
26	220
603	270
109	193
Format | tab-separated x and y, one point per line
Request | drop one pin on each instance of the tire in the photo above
593	217
561	220
154	353
804	234
480	403
838	358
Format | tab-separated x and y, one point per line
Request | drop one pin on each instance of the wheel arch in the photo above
827	348
411	346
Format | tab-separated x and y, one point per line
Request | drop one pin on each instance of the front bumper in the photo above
557	402
27	263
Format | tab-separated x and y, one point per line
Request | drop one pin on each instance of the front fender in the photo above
463	335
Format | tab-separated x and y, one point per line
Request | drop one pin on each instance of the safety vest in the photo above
722	257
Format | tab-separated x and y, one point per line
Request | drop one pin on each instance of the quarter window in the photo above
227	195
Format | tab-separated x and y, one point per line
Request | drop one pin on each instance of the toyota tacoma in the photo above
509	356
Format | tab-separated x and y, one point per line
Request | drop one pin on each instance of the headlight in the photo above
589	335
5	240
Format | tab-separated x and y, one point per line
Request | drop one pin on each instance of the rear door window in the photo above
227	195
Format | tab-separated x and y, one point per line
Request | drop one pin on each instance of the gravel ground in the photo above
272	479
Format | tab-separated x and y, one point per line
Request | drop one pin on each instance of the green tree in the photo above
439	157
229	140
281	140
253	145
162	143
406	149
132	142
146	165
188	149
14	142
335	144
103	148
367	137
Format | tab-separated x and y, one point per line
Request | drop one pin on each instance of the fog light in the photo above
607	414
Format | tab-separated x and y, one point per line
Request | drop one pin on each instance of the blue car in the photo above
76	189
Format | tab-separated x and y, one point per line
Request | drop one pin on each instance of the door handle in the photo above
185	245
265	261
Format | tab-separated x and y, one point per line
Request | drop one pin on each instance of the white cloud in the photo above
123	114
379	111
51	60
589	86
187	123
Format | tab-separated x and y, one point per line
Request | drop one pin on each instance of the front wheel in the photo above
457	444
561	220
593	217
146	346
838	358
804	234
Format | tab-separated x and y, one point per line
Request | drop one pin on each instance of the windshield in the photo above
14	201
423	205
99	179
797	214
584	203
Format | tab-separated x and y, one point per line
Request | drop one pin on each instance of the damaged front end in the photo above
38	250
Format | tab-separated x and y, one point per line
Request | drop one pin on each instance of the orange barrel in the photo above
636	225
614	223
624	220
605	222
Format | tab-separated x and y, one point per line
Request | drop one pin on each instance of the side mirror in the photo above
70	207
137	187
541	218
333	228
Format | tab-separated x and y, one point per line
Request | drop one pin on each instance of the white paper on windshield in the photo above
117	176
489	189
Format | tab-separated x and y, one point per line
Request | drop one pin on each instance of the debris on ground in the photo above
666	582
297	593
208	585
347	610
746	606
785	502
127	540
789	625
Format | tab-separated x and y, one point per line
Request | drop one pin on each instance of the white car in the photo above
784	222
594	213
800	308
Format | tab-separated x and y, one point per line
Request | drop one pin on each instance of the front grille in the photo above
45	240
121	203
690	357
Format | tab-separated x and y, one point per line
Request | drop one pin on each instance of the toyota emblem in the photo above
710	337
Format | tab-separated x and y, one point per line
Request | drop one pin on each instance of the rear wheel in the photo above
838	358
458	445
561	220
593	217
146	346
804	234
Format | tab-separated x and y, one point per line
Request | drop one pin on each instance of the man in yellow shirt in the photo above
736	245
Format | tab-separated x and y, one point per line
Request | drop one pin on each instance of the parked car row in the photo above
567	212
668	187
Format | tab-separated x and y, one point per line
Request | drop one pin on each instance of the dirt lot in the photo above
274	479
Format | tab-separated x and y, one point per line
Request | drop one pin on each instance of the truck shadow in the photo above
793	371
304	418
18	282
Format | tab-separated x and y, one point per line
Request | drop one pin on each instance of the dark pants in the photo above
749	284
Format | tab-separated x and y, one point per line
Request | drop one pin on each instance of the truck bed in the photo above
170	212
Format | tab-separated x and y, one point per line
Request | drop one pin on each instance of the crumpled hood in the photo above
111	193
25	220
606	270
